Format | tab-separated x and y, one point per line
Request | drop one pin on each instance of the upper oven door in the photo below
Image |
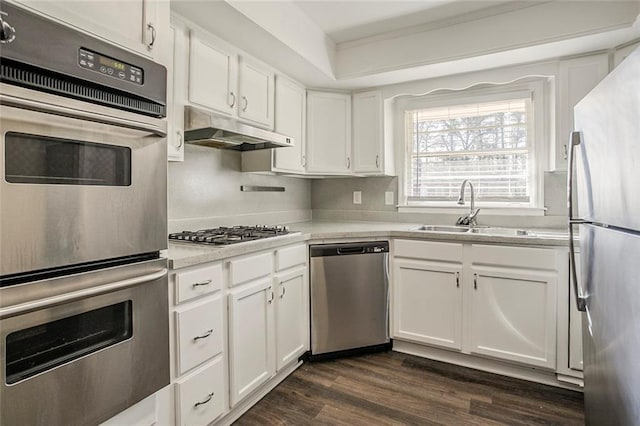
80	183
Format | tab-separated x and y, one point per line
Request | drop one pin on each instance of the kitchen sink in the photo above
502	231
442	228
482	230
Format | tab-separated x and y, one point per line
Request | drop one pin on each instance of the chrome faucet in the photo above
469	219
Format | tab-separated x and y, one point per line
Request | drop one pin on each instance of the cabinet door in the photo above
201	396
576	78
427	303
575	325
292	317
512	314
199	332
212	76
367	133
289	120
251	338
256	88
621	54
328	133
131	24
176	80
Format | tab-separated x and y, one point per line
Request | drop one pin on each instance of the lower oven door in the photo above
80	356
79	182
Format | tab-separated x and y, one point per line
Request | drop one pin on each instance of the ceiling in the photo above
354	44
351	20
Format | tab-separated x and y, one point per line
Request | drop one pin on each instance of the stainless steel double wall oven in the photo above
83	289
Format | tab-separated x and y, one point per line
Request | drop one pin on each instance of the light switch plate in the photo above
388	198
357	197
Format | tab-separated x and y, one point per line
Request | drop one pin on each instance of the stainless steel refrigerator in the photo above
605	152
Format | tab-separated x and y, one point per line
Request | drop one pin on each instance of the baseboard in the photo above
484	364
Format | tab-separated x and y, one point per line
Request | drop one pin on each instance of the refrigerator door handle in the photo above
581	300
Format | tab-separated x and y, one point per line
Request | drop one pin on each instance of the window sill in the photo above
484	211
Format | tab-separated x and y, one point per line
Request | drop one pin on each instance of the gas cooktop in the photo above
229	235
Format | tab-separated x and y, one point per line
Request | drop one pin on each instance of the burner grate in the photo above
229	235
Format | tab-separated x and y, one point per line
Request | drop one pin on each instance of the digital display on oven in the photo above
109	66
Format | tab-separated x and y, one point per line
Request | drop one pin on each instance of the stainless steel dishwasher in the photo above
349	298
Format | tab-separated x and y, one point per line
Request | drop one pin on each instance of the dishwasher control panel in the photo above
343	249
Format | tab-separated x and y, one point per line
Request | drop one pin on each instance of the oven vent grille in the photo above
42	80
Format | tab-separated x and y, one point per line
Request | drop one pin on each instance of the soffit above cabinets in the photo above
353	44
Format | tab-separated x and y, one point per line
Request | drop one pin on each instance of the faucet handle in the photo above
463	220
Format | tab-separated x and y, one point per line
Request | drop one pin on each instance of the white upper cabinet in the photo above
291	108
328	133
256	91
137	25
577	77
371	156
176	93
212	76
221	80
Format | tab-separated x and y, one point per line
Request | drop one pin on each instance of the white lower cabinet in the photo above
428	302
493	301
201	395
292	303
199	333
251	342
511	315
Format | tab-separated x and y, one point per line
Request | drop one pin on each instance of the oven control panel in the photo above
109	66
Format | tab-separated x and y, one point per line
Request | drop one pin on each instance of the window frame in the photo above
537	132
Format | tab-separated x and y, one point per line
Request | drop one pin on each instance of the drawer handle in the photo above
204	336
207	282
205	401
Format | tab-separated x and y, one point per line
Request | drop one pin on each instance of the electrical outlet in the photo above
388	198
357	197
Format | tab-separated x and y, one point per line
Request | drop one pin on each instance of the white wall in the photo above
204	191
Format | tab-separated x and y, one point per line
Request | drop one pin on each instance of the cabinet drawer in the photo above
201	396
199	329
194	283
514	257
288	257
249	268
428	250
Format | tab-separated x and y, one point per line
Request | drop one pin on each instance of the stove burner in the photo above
229	235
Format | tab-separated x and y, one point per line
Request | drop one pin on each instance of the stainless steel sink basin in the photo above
502	231
482	230
442	228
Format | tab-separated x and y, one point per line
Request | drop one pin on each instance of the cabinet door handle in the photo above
377	161
246	103
153	35
304	161
205	401
271	295
207	282
233	102
348	162
204	336
180	139
475	281
284	290
458	279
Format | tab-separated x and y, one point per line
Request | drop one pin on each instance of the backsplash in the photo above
332	199
204	191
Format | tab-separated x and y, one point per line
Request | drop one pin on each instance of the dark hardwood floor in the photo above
396	389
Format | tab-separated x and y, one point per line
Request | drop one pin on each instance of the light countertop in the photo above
185	254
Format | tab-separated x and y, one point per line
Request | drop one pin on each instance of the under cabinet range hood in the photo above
209	129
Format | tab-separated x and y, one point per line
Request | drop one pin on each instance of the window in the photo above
488	139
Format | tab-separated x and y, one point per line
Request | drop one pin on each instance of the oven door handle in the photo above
23	308
48	108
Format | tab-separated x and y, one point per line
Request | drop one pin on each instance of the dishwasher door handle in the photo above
350	250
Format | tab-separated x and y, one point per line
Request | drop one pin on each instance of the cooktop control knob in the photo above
7	32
